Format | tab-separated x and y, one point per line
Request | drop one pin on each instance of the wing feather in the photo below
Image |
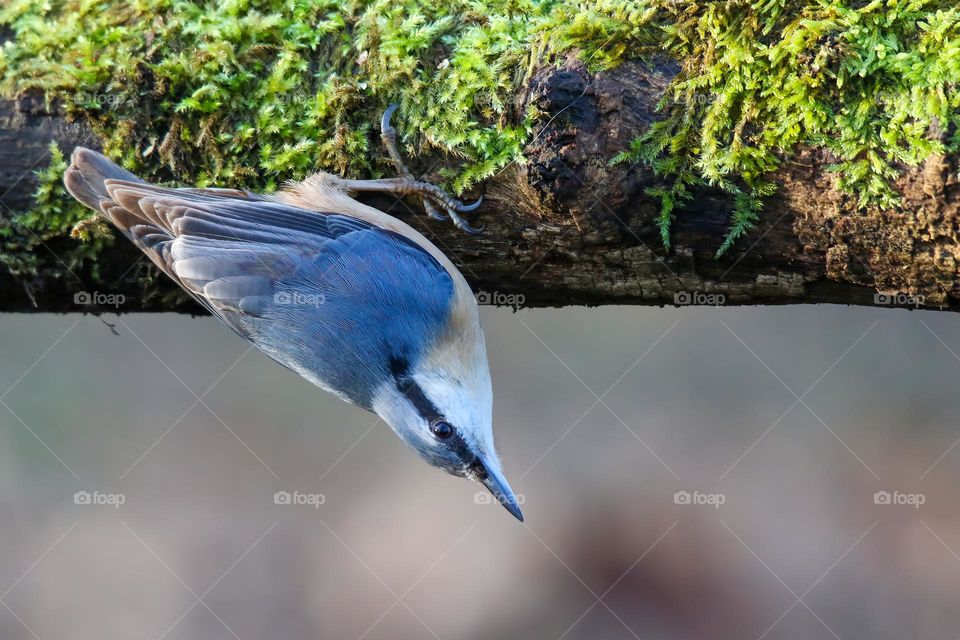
323	293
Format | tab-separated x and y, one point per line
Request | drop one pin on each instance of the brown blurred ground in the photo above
798	549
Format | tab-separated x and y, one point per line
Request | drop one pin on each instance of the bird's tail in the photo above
85	177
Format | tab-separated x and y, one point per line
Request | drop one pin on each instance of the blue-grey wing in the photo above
332	297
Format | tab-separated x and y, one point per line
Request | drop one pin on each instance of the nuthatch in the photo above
352	299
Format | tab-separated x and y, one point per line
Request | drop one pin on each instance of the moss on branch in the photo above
253	92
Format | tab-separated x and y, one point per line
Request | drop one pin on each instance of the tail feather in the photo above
86	175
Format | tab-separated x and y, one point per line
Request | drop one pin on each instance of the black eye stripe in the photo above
399	367
406	385
412	392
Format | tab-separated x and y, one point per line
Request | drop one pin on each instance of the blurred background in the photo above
686	473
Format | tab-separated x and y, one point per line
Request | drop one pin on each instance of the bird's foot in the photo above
438	204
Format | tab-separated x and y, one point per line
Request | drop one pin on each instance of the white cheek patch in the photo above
396	411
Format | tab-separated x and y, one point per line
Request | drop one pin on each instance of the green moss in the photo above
247	92
253	92
25	238
759	80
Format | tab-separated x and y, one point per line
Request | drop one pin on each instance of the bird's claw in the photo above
438	204
386	128
441	211
467	208
432	210
464	226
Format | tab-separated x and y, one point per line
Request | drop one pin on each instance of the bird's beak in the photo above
490	477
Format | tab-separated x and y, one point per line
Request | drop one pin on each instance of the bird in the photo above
354	300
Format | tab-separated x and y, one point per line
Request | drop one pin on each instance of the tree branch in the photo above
567	227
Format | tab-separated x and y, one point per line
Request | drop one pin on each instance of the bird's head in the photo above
441	404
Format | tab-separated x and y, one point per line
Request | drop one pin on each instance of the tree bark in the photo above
566	227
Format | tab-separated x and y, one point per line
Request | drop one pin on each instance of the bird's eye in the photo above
441	429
